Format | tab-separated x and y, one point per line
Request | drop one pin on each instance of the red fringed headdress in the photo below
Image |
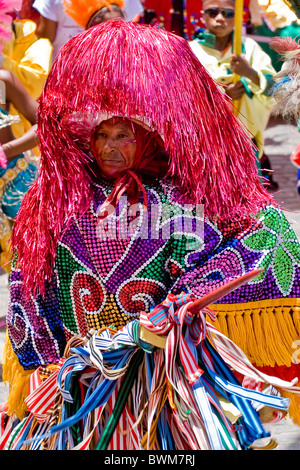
151	75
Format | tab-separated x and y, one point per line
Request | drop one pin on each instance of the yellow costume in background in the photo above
15	180
29	59
256	104
276	19
277	13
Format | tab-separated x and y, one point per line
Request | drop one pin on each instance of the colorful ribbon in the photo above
107	368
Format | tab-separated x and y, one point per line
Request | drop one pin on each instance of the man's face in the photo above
115	146
219	16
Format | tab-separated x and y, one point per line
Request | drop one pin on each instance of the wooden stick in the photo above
237	40
195	307
217	294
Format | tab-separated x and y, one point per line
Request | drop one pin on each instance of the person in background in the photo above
88	14
132	10
29	59
28	12
214	48
59	27
277	18
18	166
54	24
17	169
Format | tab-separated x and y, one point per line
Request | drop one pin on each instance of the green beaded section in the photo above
68	266
275	239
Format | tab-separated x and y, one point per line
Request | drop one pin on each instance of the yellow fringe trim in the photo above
17	379
294	405
267	331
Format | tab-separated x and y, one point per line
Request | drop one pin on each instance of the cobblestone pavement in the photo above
281	139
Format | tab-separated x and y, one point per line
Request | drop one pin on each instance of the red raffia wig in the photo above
144	73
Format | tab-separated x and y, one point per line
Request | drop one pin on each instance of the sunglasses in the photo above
225	12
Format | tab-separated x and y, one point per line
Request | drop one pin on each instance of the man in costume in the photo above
104	318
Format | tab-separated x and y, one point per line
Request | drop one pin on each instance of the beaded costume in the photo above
109	347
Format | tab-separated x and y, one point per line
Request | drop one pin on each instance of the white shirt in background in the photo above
66	26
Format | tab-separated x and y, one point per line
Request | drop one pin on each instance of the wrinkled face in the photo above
217	16
115	146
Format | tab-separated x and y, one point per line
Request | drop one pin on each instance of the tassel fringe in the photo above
267	335
266	331
18	381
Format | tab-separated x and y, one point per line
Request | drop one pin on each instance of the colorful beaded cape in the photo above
101	281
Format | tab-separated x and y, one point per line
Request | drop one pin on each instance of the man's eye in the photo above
101	135
123	136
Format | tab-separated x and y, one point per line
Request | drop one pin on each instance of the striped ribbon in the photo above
195	419
84	445
135	436
42	394
174	311
207	402
169	317
157	381
85	357
236	359
119	439
6	425
19	433
247	393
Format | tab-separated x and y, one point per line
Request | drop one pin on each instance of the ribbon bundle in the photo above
118	391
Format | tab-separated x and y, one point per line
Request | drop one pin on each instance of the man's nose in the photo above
109	145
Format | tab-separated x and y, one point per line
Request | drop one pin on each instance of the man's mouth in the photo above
113	162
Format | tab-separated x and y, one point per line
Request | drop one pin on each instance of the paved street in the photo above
281	140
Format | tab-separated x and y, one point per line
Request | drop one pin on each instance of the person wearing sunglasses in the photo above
214	48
